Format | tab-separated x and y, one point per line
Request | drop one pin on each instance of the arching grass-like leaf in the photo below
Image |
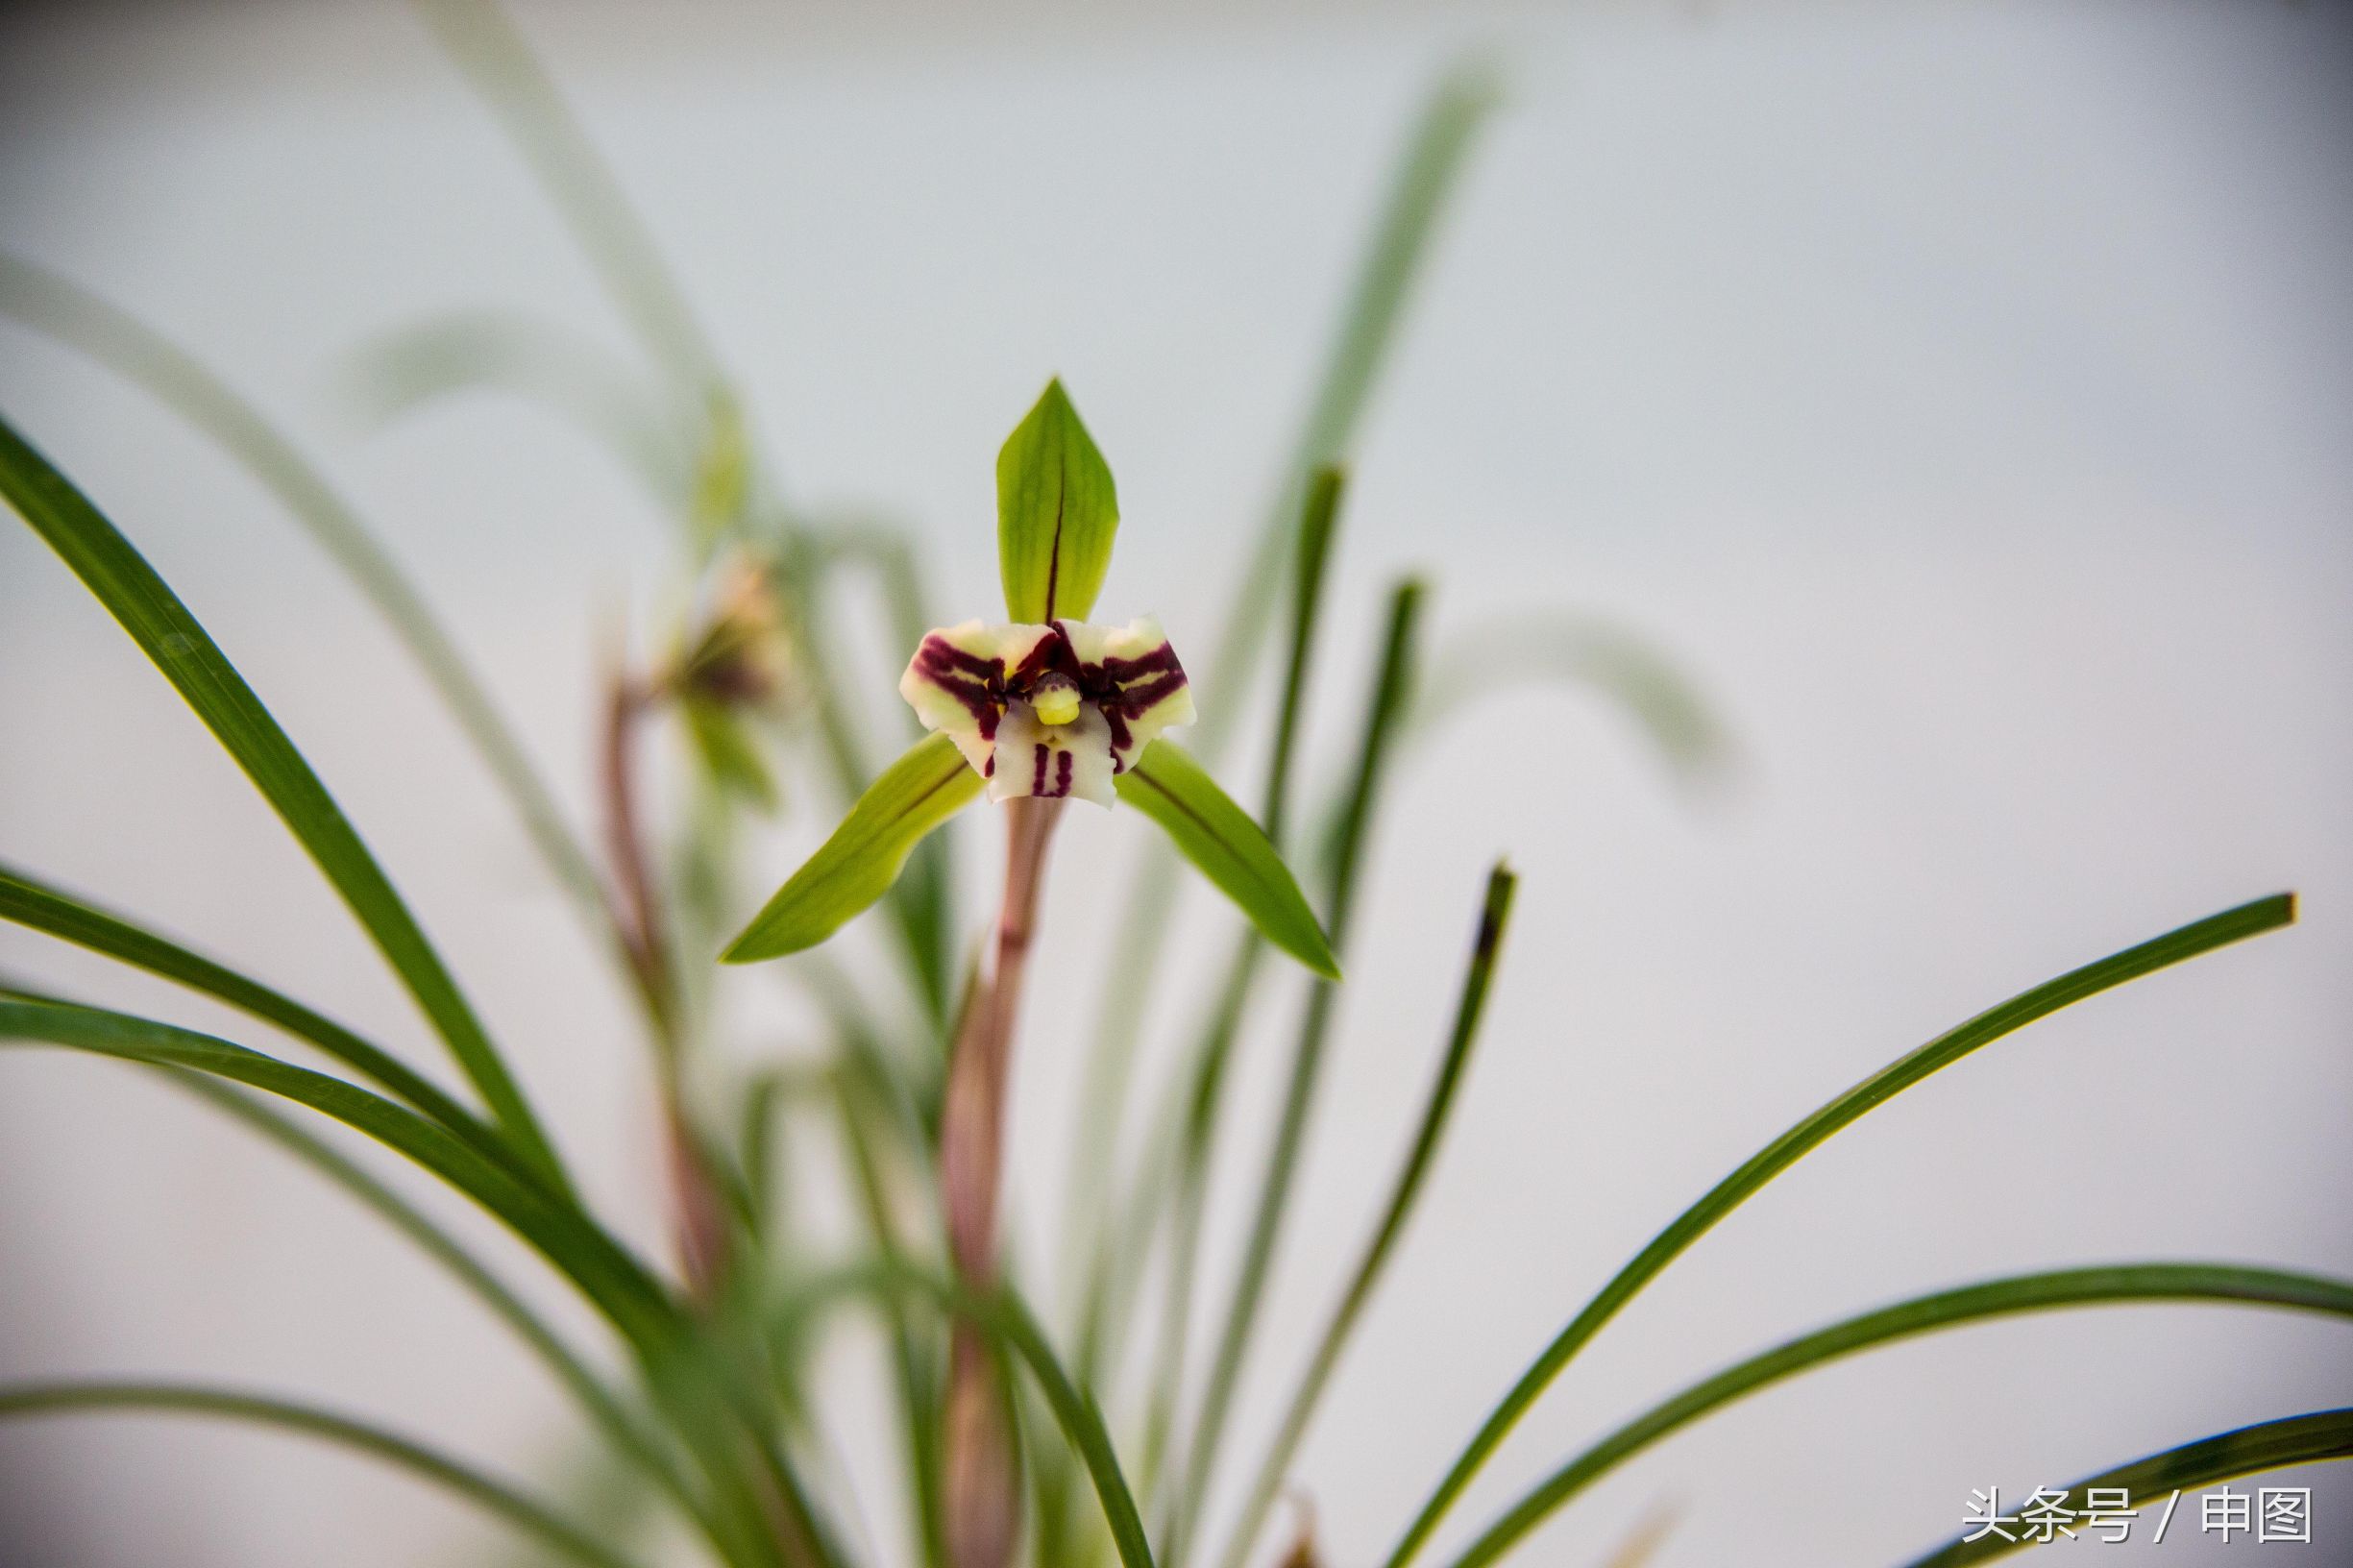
2231	925
1392	690
857	865
136	350
2249	1451
535	1519
557	1231
1219	838
1056	514
1494	916
1003	1315
181	647
422	362
40	907
621	1429
579	182
1504	655
1948	1308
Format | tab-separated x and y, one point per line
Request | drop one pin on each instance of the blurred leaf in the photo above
2266	1446
1393	688
1222	842
1056	514
1504	655
424	362
1423	178
535	1519
169	635
2237	924
721	491
1495	914
1318	518
1948	1308
579	182
77	317
858	863
554	1228
729	753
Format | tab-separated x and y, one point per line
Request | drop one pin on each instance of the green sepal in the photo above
858	863
1219	838
1056	514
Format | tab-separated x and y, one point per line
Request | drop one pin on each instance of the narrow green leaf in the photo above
168	634
554	1228
1311	558
1219	838
619	1427
1494	916
858	863
1425	176
1923	1315
580	183
42	908
132	349
2249	1451
1056	514
1003	1315
2231	925
1111	1060
535	1519
1393	688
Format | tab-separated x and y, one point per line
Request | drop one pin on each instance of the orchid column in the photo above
1036	712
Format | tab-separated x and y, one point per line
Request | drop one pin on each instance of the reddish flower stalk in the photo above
698	1216
981	1509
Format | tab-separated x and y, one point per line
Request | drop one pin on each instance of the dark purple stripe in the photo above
1062	774
1155	661
1135	699
1036	783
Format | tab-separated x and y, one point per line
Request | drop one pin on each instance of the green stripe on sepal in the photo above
1219	838
857	866
1057	513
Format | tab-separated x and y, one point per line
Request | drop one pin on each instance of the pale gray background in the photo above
1963	391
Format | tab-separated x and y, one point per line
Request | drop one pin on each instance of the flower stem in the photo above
982	1506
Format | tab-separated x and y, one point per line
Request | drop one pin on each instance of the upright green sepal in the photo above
1219	838
1056	514
857	866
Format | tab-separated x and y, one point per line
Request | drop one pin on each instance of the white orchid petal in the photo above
956	682
1151	692
1053	761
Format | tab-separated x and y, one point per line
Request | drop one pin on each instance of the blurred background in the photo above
1960	394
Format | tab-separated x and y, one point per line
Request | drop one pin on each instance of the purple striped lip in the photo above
1119	689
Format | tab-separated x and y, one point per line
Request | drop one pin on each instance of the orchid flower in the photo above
1045	705
1067	705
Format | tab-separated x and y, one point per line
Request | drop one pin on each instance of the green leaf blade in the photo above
2219	930
2219	1283
2246	1451
1056	514
533	1518
555	1227
170	635
858	863
1227	847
